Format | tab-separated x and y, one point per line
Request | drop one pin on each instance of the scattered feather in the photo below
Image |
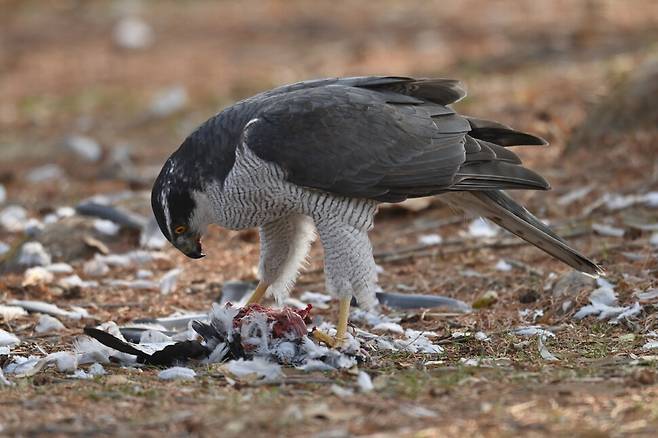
417	301
648	295
603	303
13	218
169	101
653	240
89	350
417	411
96	369
318	300
482	336
65	361
8	339
418	342
21	365
168	281
60	268
177	373
390	327
502	265
95	268
4	248
48	324
532	330
256	368
80	374
134	284
543	350
430	239
574	195
607	230
3	380
49	309
340	391
364	382
482	228
73	281
650	345
154	337
11	312
84	147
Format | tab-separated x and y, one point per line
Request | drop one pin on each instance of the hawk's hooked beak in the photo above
191	247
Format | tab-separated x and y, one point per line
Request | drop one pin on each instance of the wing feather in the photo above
385	138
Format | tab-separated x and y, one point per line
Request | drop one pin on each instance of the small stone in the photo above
45	173
37	276
84	147
95	268
13	218
105	227
33	254
169	101
133	33
488	299
503	266
430	239
572	284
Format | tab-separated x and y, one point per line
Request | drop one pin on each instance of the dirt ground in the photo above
539	65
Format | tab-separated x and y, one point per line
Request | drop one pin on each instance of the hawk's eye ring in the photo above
180	229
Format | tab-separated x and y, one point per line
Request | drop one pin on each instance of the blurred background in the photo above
138	76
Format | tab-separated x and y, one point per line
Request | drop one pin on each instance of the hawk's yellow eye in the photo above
180	229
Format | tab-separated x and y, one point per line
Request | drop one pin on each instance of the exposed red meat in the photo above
283	321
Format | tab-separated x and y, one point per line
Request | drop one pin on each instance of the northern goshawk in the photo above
321	155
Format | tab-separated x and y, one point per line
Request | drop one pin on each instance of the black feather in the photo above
169	355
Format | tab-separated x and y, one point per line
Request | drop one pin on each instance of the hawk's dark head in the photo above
175	207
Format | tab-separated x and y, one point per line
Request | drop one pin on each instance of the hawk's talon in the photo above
341	330
330	341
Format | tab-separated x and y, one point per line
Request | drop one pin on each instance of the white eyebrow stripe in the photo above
165	208
250	122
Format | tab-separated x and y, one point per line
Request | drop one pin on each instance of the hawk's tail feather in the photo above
500	134
500	208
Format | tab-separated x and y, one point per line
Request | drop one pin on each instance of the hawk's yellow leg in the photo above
259	293
341	330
